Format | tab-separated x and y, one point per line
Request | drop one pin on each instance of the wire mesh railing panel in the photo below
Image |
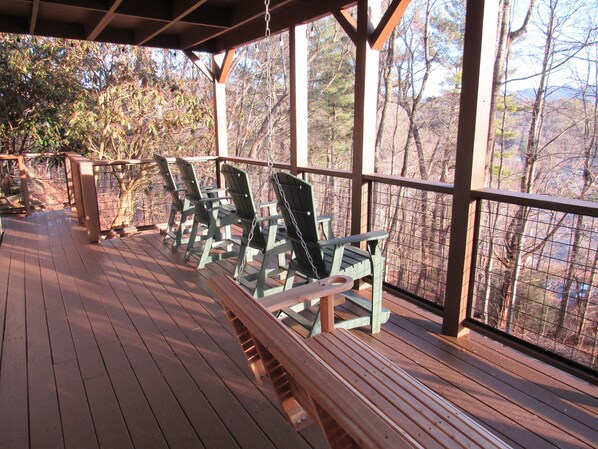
416	251
536	278
130	196
333	197
47	180
11	192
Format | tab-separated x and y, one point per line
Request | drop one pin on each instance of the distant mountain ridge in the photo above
554	93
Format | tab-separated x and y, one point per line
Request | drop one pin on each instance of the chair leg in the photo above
205	253
281	259
240	257
376	294
179	234
192	237
288	283
261	279
317	326
169	225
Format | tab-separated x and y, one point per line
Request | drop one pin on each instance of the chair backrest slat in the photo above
193	189
303	208
237	183
168	180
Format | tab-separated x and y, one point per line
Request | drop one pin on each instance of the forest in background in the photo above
536	269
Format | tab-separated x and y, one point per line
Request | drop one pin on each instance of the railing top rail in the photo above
432	186
103	163
194	158
29	155
326	172
247	160
558	204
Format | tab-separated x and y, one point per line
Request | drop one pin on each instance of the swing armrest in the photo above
366	237
270	219
326	222
314	290
210	200
213	189
270	205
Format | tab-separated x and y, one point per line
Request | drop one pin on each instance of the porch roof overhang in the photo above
196	25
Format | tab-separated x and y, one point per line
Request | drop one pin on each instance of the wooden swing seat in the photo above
357	397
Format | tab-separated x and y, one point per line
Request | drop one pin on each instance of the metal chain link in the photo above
270	140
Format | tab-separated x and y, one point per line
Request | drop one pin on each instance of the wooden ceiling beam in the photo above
282	19
224	63
33	16
200	65
100	22
240	17
347	23
181	9
389	20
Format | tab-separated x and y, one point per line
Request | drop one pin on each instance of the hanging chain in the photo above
270	139
269	131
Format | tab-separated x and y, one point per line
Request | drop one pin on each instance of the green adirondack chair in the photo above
212	218
180	205
268	234
330	256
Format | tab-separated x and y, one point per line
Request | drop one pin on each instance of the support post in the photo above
366	95
474	115
298	81
221	65
90	199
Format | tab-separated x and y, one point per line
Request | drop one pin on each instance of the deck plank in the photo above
197	326
44	410
120	344
13	367
524	420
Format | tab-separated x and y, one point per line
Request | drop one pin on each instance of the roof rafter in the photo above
181	9
100	22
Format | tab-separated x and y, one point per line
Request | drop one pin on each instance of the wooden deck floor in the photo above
120	345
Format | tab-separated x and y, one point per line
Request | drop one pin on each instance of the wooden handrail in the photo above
558	204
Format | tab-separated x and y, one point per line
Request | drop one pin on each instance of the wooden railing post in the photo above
90	200
24	184
74	159
474	117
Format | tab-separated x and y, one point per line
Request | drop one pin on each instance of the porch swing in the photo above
313	257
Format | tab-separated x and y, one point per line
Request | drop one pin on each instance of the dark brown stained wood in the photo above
216	333
108	421
482	378
13	366
44	412
122	345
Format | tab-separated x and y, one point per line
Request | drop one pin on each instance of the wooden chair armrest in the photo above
210	200
315	290
366	237
270	219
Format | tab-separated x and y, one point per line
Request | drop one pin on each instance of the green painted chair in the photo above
330	256
268	235
212	219
180	205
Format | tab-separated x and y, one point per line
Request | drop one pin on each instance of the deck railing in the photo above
534	277
417	216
